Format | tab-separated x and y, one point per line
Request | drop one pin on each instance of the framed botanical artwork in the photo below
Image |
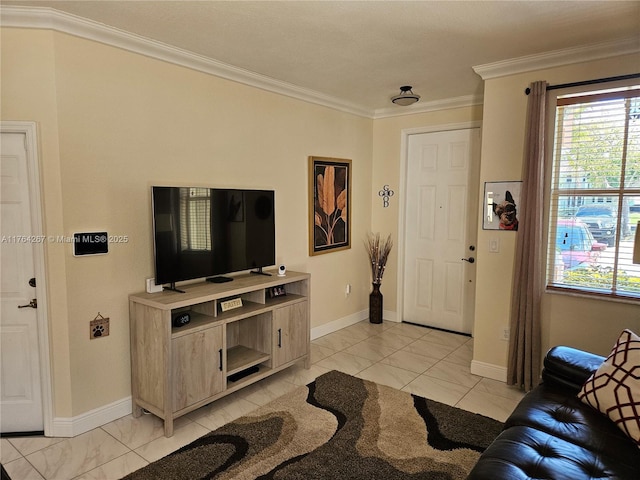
501	201
329	205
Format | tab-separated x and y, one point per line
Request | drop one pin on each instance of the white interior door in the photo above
441	208
21	407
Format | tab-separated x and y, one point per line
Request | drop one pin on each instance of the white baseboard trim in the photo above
327	328
74	426
347	321
489	370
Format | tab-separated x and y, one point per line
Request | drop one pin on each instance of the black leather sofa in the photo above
553	435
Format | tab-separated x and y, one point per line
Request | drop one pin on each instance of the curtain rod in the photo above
588	82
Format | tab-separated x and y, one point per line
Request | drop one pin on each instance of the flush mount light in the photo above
406	97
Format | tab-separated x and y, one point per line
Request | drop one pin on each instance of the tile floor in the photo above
427	362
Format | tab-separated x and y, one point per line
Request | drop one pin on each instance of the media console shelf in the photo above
175	370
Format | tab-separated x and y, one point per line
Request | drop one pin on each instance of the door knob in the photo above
33	304
32	282
470	259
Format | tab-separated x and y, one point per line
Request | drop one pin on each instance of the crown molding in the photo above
425	107
51	19
558	58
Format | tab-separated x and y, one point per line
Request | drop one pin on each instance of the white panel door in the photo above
441	207
20	389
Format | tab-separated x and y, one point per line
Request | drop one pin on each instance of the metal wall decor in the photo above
385	193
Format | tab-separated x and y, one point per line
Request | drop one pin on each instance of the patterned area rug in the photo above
337	427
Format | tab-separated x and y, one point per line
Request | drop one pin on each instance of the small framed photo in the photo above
278	291
500	208
329	205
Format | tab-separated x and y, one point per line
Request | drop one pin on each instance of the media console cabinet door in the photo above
291	333
197	369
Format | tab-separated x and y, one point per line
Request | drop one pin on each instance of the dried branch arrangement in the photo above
378	255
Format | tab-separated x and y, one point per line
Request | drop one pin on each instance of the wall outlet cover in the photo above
152	287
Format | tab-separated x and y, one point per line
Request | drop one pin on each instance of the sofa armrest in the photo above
569	367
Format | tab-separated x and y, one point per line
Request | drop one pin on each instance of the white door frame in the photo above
404	165
29	129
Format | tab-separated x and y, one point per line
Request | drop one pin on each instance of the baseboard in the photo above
74	426
489	370
71	427
347	321
327	328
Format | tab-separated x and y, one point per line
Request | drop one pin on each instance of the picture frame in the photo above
500	205
277	291
329	205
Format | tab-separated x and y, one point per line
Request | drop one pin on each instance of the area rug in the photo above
337	427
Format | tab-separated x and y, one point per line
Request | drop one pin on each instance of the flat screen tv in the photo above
209	232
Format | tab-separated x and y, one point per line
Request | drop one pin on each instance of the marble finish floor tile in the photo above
501	389
135	432
436	389
75	456
116	468
222	411
461	355
300	376
387	375
318	352
163	446
429	349
409	361
391	340
336	341
21	469
427	362
370	350
447	338
489	405
410	330
346	363
27	445
452	372
8	452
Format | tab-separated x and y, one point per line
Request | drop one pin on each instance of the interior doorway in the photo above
25	400
439	219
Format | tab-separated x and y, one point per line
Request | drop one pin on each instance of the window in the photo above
595	193
195	212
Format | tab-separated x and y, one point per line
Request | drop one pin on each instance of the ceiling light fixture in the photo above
406	97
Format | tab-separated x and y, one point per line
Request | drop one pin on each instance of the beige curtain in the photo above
523	367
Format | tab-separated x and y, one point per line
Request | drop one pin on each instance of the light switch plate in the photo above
494	245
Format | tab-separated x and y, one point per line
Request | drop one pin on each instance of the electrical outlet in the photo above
347	290
506	331
99	327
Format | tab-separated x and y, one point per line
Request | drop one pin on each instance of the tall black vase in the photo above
375	304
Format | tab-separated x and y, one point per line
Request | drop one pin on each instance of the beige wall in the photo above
575	321
387	157
113	123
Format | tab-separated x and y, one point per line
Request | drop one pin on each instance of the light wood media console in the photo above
177	370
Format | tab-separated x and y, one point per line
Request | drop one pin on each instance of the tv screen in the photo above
201	232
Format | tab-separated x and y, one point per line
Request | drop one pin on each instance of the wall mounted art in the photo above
501	205
329	205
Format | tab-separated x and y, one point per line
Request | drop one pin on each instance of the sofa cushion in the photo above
562	415
614	388
524	453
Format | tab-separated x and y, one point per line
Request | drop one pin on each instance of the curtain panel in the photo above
523	368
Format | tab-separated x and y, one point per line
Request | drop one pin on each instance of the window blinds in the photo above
595	193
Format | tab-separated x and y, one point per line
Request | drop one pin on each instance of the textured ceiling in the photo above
363	52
